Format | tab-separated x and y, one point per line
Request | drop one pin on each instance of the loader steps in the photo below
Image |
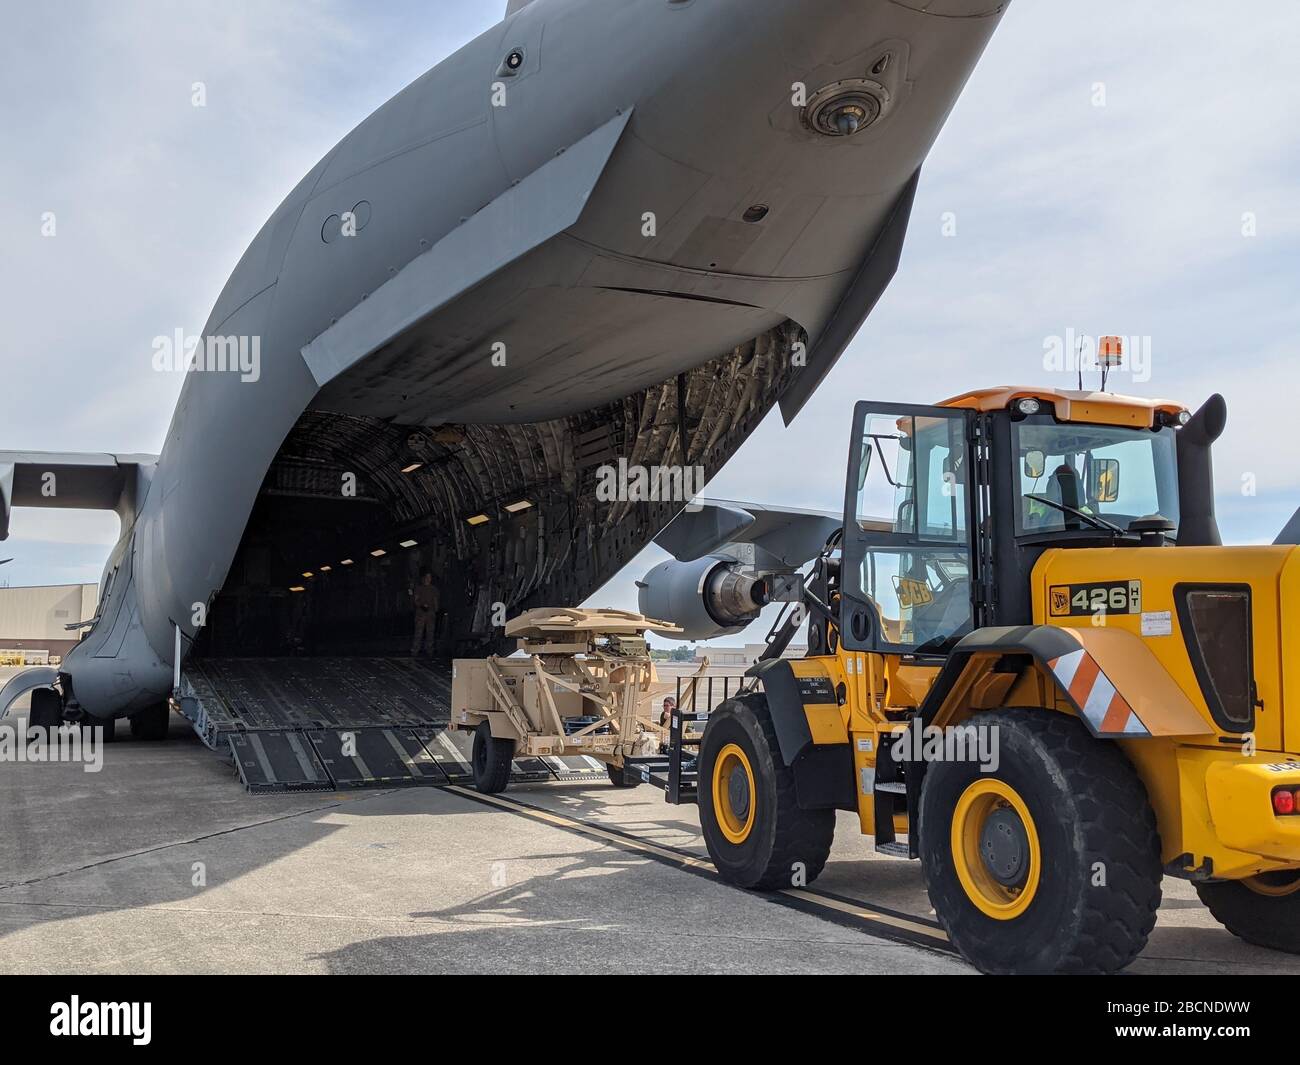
331	724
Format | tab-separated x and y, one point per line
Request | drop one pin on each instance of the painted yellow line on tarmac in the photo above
916	928
586	827
620	839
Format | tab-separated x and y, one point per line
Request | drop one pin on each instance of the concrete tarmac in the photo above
161	863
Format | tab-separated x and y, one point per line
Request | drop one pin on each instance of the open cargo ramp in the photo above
332	724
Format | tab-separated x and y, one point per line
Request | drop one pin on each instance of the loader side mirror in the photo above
1035	464
864	464
1103	480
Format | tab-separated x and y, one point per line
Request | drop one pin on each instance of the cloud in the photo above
1124	218
153	199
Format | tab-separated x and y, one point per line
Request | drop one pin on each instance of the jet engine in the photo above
706	597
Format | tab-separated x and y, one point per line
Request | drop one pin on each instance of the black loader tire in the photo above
783	845
1088	902
1265	910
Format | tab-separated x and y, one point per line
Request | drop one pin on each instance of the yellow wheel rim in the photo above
1276	886
733	793
995	849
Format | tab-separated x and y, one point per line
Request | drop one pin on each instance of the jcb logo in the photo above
913	592
1104	597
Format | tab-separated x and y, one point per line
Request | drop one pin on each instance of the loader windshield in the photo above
1108	472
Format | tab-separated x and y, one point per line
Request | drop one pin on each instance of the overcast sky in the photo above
1115	166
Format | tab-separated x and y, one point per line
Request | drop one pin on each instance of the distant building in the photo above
34	621
742	656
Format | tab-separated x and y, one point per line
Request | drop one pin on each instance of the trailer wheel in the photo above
46	709
151	725
1049	863
617	778
1263	909
492	759
753	826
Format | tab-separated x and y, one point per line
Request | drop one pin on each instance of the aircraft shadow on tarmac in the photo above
80	845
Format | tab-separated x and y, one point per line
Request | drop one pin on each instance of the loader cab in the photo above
948	508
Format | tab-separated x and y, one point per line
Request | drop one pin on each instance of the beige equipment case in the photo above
571	664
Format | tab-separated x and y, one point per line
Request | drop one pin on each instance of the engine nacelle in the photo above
707	597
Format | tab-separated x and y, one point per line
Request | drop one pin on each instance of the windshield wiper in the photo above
1091	519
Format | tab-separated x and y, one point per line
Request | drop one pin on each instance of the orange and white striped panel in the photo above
1106	712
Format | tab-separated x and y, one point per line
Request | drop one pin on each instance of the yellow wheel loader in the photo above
1034	667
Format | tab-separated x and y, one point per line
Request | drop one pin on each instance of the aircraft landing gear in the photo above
151	724
47	709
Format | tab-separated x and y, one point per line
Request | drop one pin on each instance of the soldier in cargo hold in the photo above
425	598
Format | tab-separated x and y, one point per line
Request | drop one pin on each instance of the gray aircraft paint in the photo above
523	225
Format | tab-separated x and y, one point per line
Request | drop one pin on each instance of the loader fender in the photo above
1108	676
805	707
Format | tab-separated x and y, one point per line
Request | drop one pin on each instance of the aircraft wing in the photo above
790	536
1290	533
66	481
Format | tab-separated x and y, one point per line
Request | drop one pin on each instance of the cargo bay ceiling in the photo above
505	516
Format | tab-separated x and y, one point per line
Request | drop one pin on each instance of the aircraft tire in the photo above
151	725
46	709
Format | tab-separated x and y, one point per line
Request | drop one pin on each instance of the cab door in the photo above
908	566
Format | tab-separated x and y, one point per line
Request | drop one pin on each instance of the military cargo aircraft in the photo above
604	230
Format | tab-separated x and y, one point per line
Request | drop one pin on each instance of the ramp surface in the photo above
376	758
301	724
278	761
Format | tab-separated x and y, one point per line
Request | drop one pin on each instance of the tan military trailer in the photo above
576	685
